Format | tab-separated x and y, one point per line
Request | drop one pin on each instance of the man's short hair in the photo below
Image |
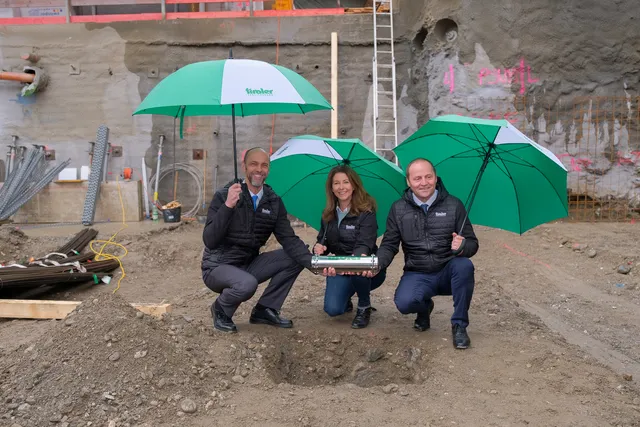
419	159
250	150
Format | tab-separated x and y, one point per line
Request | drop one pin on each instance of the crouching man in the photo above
426	221
241	218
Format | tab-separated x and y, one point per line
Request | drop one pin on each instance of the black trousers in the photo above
238	284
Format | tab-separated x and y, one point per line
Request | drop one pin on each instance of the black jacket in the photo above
426	238
355	236
235	236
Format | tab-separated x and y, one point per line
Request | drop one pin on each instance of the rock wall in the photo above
566	73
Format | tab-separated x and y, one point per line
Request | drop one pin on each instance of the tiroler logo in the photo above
265	92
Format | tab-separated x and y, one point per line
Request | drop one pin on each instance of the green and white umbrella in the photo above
232	87
299	171
507	180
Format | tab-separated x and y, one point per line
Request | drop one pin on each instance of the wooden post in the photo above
68	7
334	85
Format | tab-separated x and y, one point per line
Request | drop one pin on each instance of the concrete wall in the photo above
464	65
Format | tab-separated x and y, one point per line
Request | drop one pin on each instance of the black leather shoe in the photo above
423	320
349	307
221	321
362	318
269	316
460	338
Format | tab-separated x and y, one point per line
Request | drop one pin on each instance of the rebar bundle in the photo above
63	268
79	242
27	178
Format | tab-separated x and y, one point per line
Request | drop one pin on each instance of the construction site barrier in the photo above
63	9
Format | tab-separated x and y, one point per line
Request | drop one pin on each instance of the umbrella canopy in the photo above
211	88
232	87
299	171
508	181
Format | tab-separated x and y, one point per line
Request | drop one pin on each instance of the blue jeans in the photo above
456	278
341	288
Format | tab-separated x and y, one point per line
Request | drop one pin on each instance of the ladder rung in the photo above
385	66
385	121
384	51
383	26
384	38
383	13
386	92
384	149
386	134
385	106
385	79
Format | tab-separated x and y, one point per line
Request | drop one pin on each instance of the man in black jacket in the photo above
241	218
426	221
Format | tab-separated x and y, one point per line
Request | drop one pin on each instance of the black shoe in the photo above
362	318
221	321
349	307
269	316
423	320
460	337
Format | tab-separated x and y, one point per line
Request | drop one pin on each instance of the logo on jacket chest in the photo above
441	214
350	227
266	211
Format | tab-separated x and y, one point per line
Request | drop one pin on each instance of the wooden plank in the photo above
129	17
299	12
207	15
41	20
31	3
51	309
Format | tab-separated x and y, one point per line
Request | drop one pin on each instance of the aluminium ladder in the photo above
385	124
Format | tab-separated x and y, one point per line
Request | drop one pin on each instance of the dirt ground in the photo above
555	337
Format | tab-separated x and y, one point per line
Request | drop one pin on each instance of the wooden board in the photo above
50	309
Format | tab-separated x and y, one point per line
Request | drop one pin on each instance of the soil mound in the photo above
106	362
11	242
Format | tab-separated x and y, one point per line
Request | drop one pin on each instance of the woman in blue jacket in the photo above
349	227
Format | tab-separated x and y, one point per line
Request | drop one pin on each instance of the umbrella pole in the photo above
476	185
175	182
235	154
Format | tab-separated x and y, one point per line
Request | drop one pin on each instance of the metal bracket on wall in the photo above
153	73
198	154
116	151
74	69
49	154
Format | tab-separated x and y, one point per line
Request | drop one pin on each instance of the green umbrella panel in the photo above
299	171
232	87
506	180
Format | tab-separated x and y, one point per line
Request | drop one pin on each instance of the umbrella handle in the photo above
460	249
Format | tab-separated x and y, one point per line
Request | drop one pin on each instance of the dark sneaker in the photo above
221	321
423	320
460	338
362	318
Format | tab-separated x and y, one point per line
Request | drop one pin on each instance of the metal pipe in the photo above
155	190
106	163
345	263
7	166
17	77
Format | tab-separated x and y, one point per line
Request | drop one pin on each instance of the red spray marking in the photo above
517	252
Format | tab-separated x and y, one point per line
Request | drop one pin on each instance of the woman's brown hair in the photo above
361	201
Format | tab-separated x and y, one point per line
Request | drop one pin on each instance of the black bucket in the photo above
172	215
